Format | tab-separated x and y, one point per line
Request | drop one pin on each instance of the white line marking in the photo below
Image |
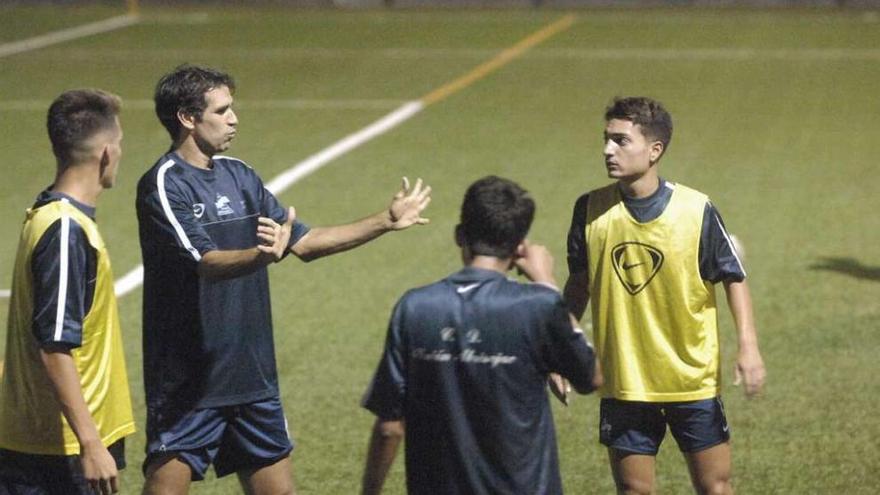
423	53
344	145
63	35
294	174
275	104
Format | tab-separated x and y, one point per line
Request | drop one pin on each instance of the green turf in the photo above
775	115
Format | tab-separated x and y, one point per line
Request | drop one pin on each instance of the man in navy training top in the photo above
208	229
463	376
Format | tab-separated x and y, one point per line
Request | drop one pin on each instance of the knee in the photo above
635	487
717	486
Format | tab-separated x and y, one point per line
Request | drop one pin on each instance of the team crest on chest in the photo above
222	205
635	264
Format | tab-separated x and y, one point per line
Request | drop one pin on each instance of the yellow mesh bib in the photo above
654	318
30	416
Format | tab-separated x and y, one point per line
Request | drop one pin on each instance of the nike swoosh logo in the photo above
466	288
627	267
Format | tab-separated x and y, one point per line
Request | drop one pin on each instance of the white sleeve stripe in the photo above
730	244
166	207
62	276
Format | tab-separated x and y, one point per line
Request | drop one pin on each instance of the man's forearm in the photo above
324	241
740	302
62	373
384	442
220	265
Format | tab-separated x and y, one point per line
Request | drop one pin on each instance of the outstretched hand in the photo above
275	237
407	205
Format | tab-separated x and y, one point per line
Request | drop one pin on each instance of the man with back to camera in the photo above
208	230
466	362
649	252
65	407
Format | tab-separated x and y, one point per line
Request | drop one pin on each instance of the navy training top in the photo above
207	343
465	364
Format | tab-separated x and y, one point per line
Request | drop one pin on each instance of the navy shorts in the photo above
639	427
233	438
37	474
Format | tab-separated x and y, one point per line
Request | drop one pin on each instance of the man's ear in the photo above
656	151
104	161
187	120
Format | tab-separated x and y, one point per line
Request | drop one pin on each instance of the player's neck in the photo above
192	154
81	183
490	263
641	187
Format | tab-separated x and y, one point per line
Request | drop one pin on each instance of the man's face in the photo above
112	144
628	153
215	129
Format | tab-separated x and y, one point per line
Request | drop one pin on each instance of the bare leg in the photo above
168	477
710	470
633	473
276	479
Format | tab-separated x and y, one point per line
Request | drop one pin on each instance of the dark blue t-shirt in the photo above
465	364
718	258
207	343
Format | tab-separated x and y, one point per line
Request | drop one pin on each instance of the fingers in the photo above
105	486
404	187
737	376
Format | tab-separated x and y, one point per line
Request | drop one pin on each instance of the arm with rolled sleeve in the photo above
63	267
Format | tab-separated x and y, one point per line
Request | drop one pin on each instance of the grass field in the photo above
776	116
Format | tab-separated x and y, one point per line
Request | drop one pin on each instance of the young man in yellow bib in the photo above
64	400
649	253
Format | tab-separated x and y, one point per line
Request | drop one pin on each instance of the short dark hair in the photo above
183	89
77	115
655	121
495	217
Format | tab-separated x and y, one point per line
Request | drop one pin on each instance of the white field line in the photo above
278	104
63	35
422	53
294	174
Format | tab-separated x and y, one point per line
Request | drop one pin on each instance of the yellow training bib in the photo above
654	318
30	416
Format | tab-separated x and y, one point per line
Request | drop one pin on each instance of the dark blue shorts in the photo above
233	438
36	474
639	427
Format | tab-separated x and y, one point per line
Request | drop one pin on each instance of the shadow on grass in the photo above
848	266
